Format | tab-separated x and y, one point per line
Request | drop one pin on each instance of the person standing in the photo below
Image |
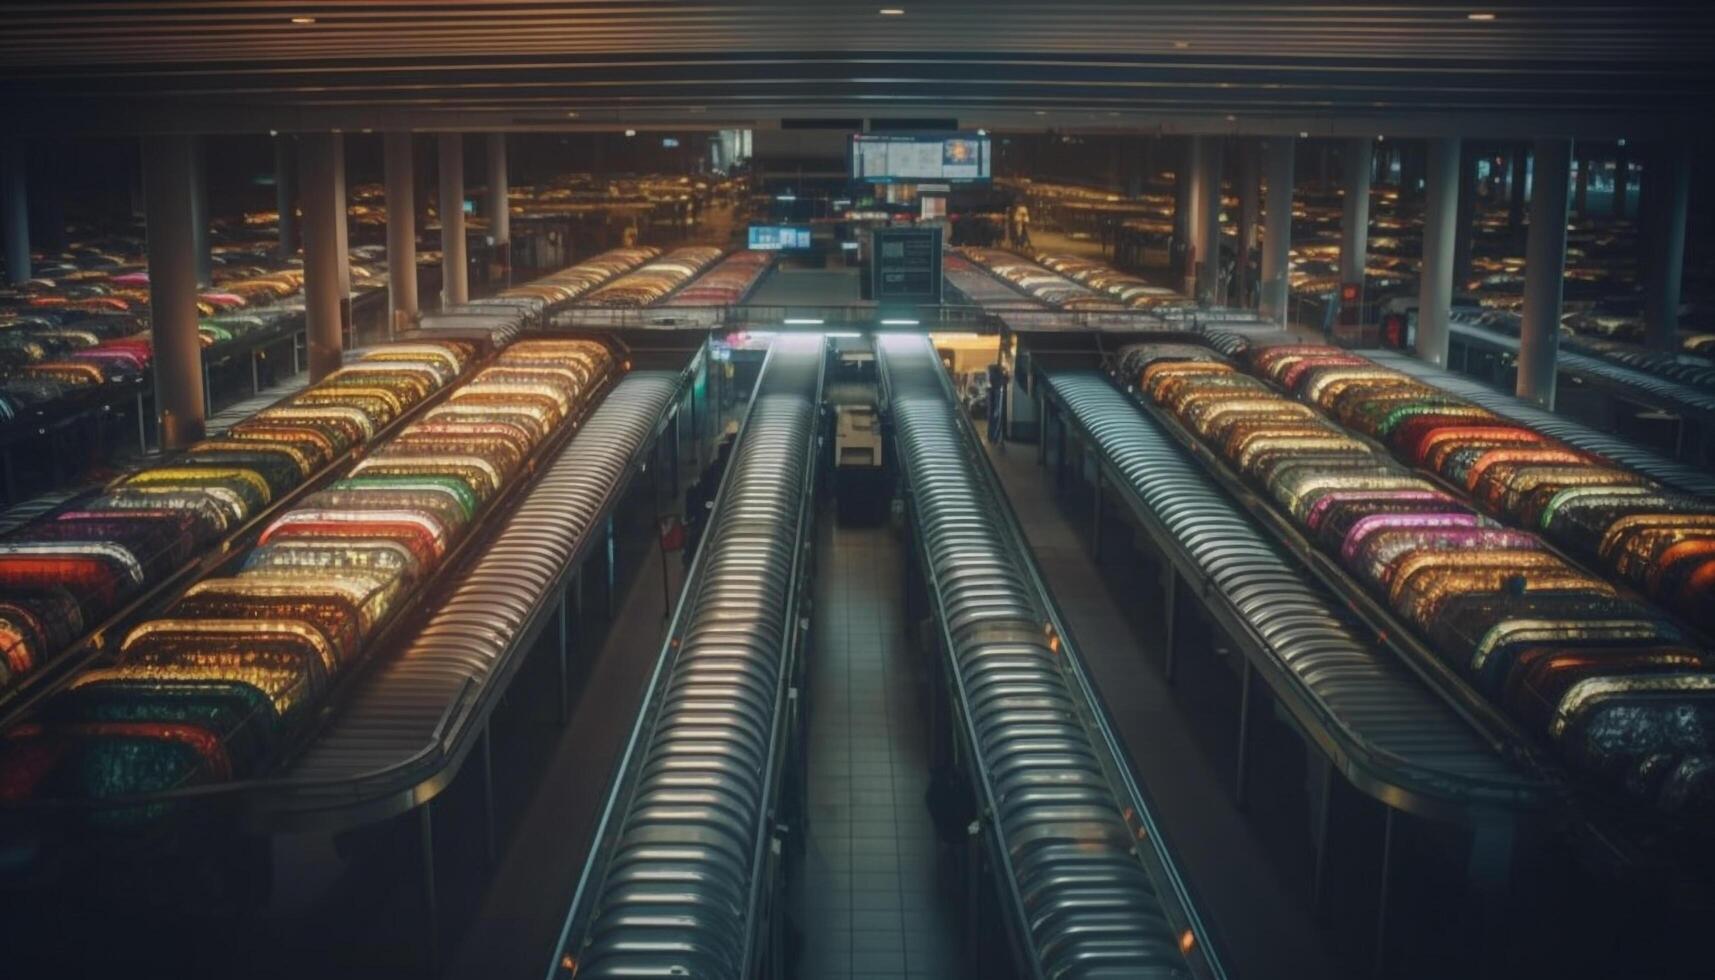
1021	219
998	378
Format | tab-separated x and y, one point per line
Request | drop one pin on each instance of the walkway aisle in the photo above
1264	925
512	937
867	900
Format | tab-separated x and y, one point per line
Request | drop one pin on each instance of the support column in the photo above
1277	233
499	210
286	194
324	212
1355	220
169	216
401	232
199	215
1244	291
1622	178
47	201
15	213
1185	178
455	282
1515	190
1209	221
1669	177
1581	189
1440	218
1544	270
1467	220
342	233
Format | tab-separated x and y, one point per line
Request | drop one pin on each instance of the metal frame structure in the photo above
1372	722
1026	711
682	875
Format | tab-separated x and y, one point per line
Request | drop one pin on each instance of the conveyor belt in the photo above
1389	735
679	881
1086	900
401	736
1677	475
1638	385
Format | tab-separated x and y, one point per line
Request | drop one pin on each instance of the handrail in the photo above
628	773
1130	806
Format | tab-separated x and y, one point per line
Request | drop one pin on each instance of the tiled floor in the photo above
868	900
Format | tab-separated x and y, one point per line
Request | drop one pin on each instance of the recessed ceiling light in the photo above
571	113
1042	112
1480	15
1181	44
303	20
631	132
1303	134
1232	119
892	11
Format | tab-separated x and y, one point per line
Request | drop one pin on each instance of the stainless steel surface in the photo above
1390	736
1085	899
679	879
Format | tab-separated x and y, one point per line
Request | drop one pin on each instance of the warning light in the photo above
1187	942
1349	292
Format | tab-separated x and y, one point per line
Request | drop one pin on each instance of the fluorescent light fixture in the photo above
892	11
899	323
795	321
1181	45
1480	15
631	132
571	113
843	334
303	20
786	197
1303	135
1042	112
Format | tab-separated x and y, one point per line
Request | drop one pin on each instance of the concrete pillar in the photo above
324	212
397	150
1515	191
286	193
1209	221
1250	180
169	216
200	216
342	232
499	210
1622	178
1277	234
15	212
455	282
1467	219
1544	270
1355	214
1440	218
1185	221
46	200
1669	182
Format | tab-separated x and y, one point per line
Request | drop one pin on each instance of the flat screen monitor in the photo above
779	237
904	158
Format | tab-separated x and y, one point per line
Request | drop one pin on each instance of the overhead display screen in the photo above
775	237
909	158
